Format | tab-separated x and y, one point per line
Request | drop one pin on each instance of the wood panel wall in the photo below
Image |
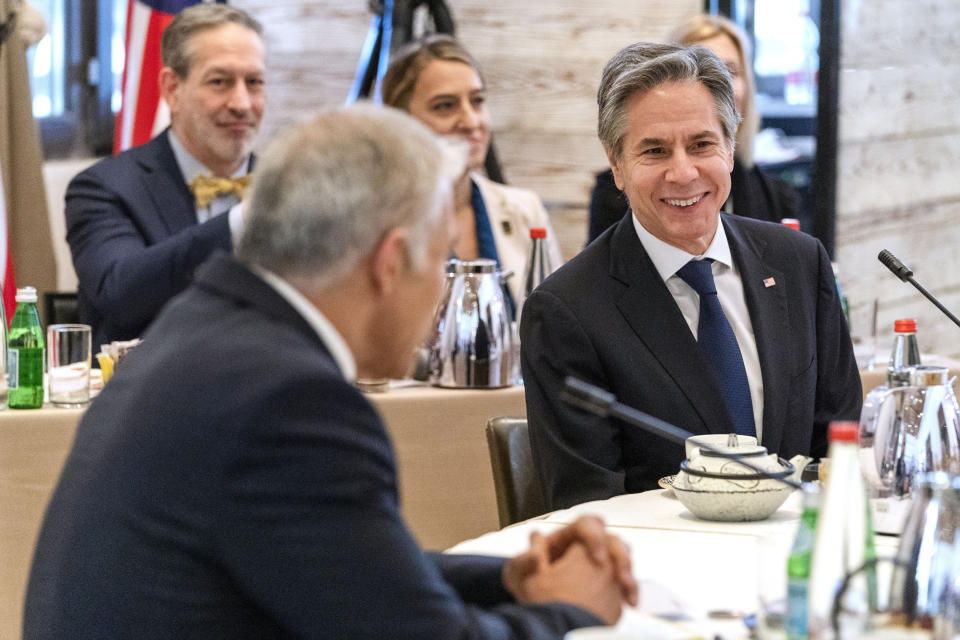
541	60
898	150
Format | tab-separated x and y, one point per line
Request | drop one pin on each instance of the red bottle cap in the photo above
793	223
538	232
907	325
844	431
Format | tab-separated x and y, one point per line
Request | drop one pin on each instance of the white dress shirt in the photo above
229	203
328	333
669	259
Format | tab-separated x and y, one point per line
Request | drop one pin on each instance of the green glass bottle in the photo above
798	564
25	353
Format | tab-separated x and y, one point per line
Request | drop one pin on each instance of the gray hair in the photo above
325	193
175	43
705	26
643	66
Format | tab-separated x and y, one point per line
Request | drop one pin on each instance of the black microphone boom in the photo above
903	272
597	401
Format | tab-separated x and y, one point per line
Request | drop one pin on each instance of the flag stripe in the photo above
143	114
148	96
6	260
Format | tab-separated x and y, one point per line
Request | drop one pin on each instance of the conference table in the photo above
446	483
698	579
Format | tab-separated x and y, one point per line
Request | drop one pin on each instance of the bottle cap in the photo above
26	294
906	325
538	232
793	223
844	431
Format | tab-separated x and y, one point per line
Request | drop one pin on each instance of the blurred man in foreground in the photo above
714	323
139	223
231	481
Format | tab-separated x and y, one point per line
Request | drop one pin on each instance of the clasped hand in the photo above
581	564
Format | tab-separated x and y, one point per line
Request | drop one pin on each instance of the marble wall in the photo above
542	62
899	136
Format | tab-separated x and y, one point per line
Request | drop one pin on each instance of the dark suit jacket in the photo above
607	317
133	233
755	194
230	483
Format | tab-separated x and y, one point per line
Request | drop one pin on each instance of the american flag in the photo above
143	114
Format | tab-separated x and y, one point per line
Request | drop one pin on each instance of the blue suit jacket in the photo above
230	483
608	318
133	233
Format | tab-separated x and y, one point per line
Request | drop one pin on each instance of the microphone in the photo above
601	402
904	272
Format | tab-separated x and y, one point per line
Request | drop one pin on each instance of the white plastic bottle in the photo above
844	539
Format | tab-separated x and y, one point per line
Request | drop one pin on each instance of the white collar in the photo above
190	167
669	259
328	333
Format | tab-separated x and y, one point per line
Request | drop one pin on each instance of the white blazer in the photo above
513	212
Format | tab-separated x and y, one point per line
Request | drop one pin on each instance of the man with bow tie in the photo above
714	323
139	223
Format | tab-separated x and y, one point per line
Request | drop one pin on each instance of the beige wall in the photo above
899	124
899	143
542	62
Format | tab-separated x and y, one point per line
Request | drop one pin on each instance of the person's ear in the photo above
170	83
617	174
389	261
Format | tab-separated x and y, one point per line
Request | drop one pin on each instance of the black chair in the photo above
514	478
60	307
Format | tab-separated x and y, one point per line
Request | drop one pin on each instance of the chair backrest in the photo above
514	478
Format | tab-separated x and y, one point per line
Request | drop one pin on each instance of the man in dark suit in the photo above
135	227
231	482
714	323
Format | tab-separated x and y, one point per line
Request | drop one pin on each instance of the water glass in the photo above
68	364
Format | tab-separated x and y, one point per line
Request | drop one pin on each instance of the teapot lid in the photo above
480	265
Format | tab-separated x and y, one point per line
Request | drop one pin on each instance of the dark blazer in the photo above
230	483
607	317
133	233
754	193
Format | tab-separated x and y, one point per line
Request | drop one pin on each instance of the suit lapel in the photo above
652	313
765	291
164	184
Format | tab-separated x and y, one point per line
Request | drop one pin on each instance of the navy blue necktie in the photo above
720	348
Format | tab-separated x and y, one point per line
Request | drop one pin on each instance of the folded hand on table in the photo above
581	564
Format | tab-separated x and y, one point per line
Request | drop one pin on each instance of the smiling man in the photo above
139	223
714	323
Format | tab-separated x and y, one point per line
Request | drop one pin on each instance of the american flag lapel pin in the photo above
769	282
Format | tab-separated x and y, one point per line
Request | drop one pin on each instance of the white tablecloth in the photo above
698	578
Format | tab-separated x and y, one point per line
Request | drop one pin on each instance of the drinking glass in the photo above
68	364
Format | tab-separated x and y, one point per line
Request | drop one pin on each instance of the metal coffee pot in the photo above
472	337
906	431
925	594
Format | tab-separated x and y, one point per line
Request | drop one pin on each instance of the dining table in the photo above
445	480
444	474
698	579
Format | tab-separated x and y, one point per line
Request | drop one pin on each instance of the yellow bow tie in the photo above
206	188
